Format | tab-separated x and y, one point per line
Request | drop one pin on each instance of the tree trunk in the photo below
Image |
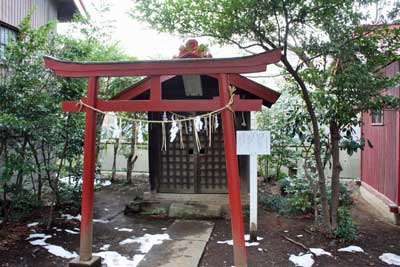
131	159
38	171
99	124
114	166
336	169
314	188
4	204
277	172
326	227
20	175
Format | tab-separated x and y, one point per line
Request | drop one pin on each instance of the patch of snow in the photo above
147	241
70	217
114	259
105	247
32	224
299	236
144	229
71	232
106	209
68	179
302	260
246	238
36	236
390	258
40	242
77	229
260	249
105	183
78	217
60	252
164	229
247	244
59	230
74	179
123	229
53	249
351	249
101	221
320	252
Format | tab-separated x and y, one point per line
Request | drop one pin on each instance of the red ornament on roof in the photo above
192	49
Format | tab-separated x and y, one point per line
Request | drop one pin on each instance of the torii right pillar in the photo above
232	170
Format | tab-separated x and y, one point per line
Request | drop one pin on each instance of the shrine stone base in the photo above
94	262
206	205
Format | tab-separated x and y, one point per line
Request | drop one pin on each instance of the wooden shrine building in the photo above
184	168
166	89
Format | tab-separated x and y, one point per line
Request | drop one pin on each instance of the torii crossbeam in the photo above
225	70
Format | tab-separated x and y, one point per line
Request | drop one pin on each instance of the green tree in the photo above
284	145
313	36
38	140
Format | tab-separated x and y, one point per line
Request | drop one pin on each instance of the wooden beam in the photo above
237	80
138	88
232	171
155	88
133	90
89	158
248	64
254	88
163	105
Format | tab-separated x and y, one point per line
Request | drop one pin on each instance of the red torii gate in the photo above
224	69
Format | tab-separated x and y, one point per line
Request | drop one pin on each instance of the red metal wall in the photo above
380	164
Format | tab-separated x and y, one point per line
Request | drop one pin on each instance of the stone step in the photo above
194	210
188	241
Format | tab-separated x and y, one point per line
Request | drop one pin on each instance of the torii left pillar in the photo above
89	158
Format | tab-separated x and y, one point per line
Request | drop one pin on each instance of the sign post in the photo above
253	143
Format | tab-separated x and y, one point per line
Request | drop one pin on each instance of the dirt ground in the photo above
376	237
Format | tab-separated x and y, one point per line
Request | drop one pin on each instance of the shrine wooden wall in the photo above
203	174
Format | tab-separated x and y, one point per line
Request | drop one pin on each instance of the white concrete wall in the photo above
106	159
350	165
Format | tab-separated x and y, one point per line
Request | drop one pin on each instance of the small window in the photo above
6	34
377	117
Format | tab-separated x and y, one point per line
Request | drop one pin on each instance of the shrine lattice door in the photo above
190	170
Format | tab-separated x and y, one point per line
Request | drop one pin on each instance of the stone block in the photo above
194	210
94	262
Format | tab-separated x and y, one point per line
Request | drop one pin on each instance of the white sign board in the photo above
253	142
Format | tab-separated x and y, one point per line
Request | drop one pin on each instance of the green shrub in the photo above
70	194
347	230
345	198
282	176
22	204
284	185
300	196
274	202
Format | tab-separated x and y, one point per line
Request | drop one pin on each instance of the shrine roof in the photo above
177	66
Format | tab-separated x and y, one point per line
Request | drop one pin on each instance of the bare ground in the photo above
376	237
